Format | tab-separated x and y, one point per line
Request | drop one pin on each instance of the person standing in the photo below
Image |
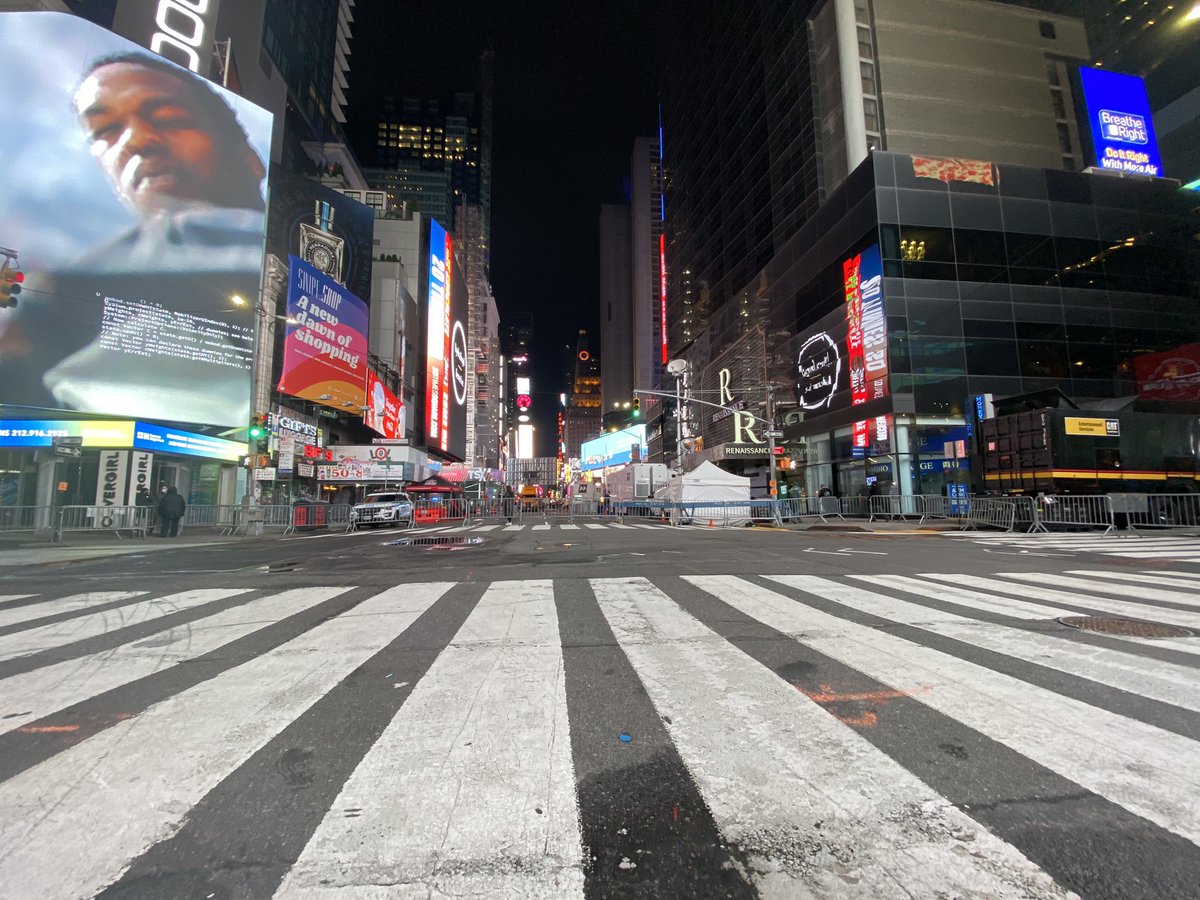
170	511
145	506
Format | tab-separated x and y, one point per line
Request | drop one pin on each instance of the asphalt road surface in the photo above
605	711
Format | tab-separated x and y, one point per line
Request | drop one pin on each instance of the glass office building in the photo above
923	283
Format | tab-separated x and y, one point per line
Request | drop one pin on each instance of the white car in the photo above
383	508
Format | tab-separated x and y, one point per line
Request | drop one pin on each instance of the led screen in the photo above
613	449
1119	118
134	201
445	348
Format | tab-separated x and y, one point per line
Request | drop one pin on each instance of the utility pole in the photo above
773	486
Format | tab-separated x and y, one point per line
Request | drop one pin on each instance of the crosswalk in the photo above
933	734
1178	549
544	526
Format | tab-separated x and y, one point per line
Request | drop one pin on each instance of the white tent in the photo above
706	484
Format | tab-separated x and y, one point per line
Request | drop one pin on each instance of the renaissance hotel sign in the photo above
1119	119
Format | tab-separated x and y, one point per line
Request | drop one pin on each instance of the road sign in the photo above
71	447
778	451
774	434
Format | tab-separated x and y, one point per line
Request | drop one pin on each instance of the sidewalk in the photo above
28	549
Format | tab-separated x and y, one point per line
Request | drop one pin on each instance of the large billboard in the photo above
1118	115
325	345
445	348
134	200
614	449
1173	375
327	230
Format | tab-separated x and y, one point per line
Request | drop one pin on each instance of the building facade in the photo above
581	419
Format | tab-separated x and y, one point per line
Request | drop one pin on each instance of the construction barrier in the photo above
134	520
992	512
1155	511
1073	511
26	518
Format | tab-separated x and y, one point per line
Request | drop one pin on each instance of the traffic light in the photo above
10	285
257	428
260	437
637	407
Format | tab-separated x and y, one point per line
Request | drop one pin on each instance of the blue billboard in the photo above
613	449
1118	115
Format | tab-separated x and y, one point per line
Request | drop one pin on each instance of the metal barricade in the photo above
117	519
992	512
26	518
435	510
937	506
225	519
855	507
1155	511
895	507
1073	510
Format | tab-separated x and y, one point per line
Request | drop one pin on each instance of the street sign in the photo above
71	447
265	474
778	451
774	434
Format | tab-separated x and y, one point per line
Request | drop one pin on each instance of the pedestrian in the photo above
145	506
170	511
824	491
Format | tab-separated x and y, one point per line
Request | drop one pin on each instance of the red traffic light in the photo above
10	285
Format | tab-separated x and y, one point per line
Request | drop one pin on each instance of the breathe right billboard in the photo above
1118	116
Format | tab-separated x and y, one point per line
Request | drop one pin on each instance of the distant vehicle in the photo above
530	496
383	508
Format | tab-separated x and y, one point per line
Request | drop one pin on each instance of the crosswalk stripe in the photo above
1089	601
10	600
639	525
569	527
58	686
1166	683
594	525
70	605
220	722
541	527
1132	764
514	527
479	753
1003	606
486	527
1189	600
47	637
771	762
619	525
1163	579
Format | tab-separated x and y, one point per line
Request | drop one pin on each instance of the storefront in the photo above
66	462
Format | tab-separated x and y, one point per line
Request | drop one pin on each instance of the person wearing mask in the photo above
170	511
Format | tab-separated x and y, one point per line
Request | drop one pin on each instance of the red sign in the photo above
1173	376
384	412
856	358
311	452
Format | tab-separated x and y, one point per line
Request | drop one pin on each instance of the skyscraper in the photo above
581	420
616	304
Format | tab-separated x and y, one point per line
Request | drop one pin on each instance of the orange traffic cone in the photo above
710	524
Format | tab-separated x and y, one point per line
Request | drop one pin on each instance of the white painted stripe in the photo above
56	687
645	526
89	625
189	743
1139	578
1189	598
1089	600
771	763
619	525
471	787
1005	606
73	603
514	527
1157	680
1183	556
1128	762
593	525
486	528
541	527
1184	579
569	527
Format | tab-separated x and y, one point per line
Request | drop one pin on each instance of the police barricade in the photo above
223	519
1073	511
435	510
26	518
135	520
936	506
895	507
855	507
993	512
1155	511
797	509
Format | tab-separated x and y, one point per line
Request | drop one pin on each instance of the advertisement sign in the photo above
354	471
662	293
614	449
445	348
1118	116
384	412
180	30
1092	427
1173	375
130	257
325	351
111	478
287	452
328	230
185	443
140	466
42	432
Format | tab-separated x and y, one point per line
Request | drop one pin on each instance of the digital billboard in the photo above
325	345
134	201
1173	375
117	434
326	229
843	361
1118	115
445	348
385	412
614	449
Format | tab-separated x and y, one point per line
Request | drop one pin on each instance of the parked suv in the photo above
383	508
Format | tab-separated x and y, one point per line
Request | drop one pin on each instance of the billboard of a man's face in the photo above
136	207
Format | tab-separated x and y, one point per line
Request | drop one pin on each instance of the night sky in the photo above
574	84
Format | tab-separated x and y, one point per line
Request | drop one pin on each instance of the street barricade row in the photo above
133	521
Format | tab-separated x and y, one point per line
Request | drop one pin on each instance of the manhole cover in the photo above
439	541
1127	627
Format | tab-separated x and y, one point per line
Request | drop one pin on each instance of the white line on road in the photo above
73	603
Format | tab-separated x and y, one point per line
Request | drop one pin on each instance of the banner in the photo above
384	413
140	466
111	480
325	351
1173	375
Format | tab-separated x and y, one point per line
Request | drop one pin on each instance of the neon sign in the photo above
182	31
819	366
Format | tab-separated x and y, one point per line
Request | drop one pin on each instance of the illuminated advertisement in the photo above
328	230
1173	375
138	435
614	449
325	345
662	292
445	348
135	205
384	413
180	30
1118	116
